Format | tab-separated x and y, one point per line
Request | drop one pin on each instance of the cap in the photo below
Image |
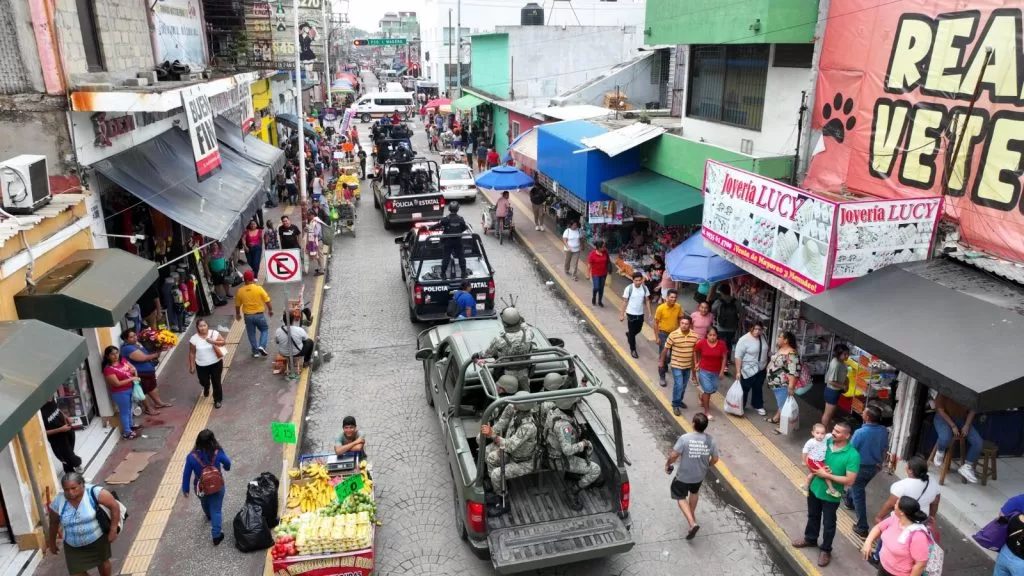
248	276
348	421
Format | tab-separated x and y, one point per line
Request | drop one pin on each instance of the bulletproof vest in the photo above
518	343
454	224
554	425
527	449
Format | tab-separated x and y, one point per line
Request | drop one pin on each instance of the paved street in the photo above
375	378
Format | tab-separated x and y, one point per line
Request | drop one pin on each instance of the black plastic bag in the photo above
263	492
251	530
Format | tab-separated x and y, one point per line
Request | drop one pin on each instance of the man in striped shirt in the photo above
680	346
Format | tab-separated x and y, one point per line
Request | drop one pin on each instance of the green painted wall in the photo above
709	22
501	127
489	64
683	160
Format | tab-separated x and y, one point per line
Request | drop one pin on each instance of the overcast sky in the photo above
366	14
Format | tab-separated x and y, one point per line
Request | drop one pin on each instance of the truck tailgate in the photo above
535	546
416	207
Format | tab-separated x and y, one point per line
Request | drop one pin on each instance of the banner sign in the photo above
201	131
923	99
260	33
179	29
248	111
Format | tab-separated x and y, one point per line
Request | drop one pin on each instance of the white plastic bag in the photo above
789	419
734	399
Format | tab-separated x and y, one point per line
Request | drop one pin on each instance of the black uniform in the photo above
452	224
362	163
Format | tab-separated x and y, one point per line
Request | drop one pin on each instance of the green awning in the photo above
35	359
89	289
666	201
468	102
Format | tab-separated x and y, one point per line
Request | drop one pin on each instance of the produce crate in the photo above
356	563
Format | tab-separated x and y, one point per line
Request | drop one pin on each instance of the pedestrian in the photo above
361	155
281	184
666	320
205	463
813	454
635	301
538	202
251	300
481	158
954	421
293	341
841	465
905	541
206	359
598	260
726	310
572	245
835	381
61	436
918	486
1010	561
270	241
314	239
655	272
871	441
464	300
293	190
492	158
679	346
695	452
218	272
318	188
751	359
502	209
120	377
253	240
782	373
75	512
703	320
289	234
145	370
711	360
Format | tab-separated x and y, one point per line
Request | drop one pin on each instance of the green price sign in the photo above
283	432
350	486
380	42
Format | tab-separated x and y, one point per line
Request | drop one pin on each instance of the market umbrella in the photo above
501	178
437	103
695	263
341	83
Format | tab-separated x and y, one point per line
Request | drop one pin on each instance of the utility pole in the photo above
447	67
327	52
458	45
300	123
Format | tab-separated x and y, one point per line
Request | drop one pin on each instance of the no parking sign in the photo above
284	266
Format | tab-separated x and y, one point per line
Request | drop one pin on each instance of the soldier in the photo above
566	450
507	385
515	442
515	340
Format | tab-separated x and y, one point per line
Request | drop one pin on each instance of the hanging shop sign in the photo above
259	29
178	28
107	128
923	99
201	131
248	110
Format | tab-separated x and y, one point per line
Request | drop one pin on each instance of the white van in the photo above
394	87
380	104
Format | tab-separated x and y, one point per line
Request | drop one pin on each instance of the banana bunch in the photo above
310	496
316	470
295	473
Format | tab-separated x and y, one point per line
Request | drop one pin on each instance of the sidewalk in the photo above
760	469
166	533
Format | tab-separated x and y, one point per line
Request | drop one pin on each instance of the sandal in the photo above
151	412
771	420
131	436
165	405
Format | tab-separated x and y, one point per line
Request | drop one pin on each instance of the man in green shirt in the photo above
350	441
842	461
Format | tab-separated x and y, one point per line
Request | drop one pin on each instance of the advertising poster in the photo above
248	111
778	228
311	42
201	131
179	30
923	99
260	34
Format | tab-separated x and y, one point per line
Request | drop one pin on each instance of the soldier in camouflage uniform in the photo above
565	449
515	340
514	437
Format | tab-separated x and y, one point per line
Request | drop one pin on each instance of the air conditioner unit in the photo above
24	183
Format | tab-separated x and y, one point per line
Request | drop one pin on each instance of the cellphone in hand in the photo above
671	469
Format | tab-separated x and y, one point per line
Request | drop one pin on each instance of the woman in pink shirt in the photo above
905	540
702	320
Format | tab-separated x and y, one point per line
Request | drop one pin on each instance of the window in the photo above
515	130
793	55
448	35
90	35
727	84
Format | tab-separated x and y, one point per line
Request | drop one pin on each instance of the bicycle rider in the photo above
503	212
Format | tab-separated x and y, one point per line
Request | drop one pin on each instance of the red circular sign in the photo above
283	266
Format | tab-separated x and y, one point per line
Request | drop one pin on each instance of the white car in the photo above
457	182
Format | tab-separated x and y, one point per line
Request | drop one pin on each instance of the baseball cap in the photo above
248	276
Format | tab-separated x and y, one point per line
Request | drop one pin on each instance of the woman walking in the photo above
205	358
314	236
905	541
217	267
598	261
270	241
711	360
918	486
120	376
74	510
209	486
145	370
782	373
253	238
703	320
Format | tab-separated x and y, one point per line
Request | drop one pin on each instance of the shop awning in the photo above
626	138
251	148
952	328
664	200
35	359
468	102
89	289
161	173
524	150
290	121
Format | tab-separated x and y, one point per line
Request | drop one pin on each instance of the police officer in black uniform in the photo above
452	224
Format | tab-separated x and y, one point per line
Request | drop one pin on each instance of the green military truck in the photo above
541	529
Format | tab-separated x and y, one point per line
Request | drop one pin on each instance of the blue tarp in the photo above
693	262
560	157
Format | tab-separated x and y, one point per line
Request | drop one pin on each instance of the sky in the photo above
366	14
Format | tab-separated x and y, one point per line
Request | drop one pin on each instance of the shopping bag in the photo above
137	394
936	557
790	416
734	399
804	382
992	536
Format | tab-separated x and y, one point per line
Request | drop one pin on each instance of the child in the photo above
814	456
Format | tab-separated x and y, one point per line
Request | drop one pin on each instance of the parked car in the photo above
457	182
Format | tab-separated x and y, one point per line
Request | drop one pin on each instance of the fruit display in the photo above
284	546
311	534
357	503
311	489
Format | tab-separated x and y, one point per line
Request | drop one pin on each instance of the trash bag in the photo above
734	399
251	530
789	419
263	492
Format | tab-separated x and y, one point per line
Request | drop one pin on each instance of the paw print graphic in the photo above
836	127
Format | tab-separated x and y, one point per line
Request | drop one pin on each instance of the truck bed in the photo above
531	504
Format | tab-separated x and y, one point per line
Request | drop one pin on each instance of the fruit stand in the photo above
329	522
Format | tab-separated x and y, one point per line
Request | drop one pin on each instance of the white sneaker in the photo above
541	228
939	457
761	412
536	228
967	471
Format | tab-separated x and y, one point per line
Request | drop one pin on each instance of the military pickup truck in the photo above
541	529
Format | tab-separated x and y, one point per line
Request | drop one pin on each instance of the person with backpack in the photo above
1010	561
88	528
726	310
205	463
636	300
463	304
906	542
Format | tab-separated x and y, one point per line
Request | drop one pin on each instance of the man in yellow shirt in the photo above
666	319
251	300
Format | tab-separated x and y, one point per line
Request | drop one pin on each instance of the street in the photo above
375	378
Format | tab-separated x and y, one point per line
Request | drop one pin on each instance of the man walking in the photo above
251	300
538	197
751	359
871	441
572	244
666	320
635	300
842	462
680	345
726	311
695	452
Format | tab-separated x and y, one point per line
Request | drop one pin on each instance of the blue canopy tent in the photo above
694	263
503	178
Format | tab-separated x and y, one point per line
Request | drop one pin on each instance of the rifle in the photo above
501	459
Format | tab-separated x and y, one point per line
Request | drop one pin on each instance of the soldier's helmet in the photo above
511	319
507	384
524	406
553	381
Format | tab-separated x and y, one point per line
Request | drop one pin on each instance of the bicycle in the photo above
502	225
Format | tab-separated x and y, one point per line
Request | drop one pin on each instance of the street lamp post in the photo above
447	76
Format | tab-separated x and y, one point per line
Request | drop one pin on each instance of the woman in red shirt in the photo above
492	158
121	376
598	260
710	356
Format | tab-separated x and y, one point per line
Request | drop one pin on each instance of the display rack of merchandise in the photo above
873	381
814	343
758	303
75	399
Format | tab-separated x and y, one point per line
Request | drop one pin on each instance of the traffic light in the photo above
359	42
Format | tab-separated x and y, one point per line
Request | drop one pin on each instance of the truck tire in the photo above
412	315
402	270
460	518
376	203
426	385
387	224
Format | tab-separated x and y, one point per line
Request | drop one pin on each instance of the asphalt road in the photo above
375	378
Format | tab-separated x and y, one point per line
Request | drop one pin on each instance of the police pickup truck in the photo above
408	191
540	529
421	255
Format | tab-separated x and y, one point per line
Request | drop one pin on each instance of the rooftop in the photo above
60	203
159	97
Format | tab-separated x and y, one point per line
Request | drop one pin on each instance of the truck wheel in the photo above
402	269
387	224
460	518
412	316
426	385
376	203
365	118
